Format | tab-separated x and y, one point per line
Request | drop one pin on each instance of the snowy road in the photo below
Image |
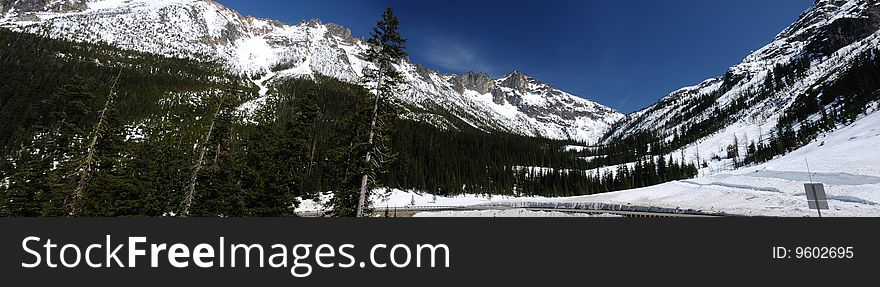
507	211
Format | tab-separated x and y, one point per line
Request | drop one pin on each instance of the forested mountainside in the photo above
271	50
145	143
240	116
817	75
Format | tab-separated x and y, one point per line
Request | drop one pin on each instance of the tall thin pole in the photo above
813	188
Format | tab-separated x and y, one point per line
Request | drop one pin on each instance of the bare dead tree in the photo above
191	189
85	168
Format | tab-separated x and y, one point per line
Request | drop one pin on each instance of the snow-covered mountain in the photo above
269	49
534	106
844	160
823	46
828	57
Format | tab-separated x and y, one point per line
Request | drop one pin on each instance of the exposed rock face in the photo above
231	33
539	103
339	31
516	80
474	81
842	32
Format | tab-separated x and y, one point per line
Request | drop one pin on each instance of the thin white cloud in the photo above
455	56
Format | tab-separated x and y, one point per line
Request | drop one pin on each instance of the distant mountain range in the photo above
269	49
807	58
820	64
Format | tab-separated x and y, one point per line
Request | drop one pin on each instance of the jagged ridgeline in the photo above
168	113
819	74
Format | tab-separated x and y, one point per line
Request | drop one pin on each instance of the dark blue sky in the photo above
622	53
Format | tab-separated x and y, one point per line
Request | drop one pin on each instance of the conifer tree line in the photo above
469	161
93	130
821	108
75	116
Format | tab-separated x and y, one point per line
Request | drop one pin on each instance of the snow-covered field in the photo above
847	161
508	213
399	198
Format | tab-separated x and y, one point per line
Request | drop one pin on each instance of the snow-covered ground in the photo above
399	198
508	213
247	109
847	161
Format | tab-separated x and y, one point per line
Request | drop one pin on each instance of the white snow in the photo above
761	117
507	213
852	149
205	30
248	108
574	148
254	54
506	109
108	4
398	198
847	161
135	133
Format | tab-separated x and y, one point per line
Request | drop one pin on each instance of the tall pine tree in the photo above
387	48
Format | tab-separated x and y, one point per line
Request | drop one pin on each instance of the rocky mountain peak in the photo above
516	80
475	81
206	30
339	31
827	11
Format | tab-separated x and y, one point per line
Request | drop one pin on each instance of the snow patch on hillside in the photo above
205	30
248	109
846	161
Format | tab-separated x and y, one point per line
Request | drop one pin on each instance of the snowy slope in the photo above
206	30
533	106
830	37
847	161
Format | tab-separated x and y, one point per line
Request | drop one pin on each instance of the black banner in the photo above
492	252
